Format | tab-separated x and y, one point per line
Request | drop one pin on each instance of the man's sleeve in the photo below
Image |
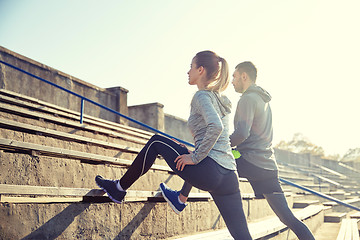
244	115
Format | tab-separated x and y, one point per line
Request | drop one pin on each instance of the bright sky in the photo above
307	53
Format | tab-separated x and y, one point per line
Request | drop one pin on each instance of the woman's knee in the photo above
156	137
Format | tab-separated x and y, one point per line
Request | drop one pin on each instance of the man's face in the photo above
237	82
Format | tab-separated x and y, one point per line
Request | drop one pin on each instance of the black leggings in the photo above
265	184
221	183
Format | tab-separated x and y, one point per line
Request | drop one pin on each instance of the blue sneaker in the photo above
172	197
110	187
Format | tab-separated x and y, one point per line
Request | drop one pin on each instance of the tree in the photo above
300	144
333	157
352	155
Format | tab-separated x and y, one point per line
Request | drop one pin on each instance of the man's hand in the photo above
183	160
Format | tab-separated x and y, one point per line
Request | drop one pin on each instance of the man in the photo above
252	137
255	160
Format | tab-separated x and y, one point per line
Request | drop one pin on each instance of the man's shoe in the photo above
172	197
110	187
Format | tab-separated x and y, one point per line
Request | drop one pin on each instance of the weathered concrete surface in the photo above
313	223
114	98
258	209
151	114
131	220
137	220
177	127
24	169
13	80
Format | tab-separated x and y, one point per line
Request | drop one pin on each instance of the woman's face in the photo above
193	73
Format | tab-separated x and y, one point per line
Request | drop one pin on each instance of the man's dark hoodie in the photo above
253	131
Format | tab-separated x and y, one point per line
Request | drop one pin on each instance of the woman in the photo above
211	166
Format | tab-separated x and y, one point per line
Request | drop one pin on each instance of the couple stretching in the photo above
211	166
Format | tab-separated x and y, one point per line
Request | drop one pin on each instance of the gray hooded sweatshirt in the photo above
253	131
209	125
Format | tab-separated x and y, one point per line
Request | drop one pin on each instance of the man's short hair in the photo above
249	68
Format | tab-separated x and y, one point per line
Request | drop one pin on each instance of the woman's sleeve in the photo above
214	127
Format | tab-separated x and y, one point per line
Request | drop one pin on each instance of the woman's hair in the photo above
217	76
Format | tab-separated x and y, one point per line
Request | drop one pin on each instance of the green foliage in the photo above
352	155
333	157
300	144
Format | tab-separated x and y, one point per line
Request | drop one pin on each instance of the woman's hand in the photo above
181	144
183	160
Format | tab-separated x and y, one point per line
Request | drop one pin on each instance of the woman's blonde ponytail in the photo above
222	80
217	70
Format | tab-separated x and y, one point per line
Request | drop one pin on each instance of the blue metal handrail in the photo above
95	103
320	194
165	134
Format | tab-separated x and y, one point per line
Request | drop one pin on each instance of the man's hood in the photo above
260	91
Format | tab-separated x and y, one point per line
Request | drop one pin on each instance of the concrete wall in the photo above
355	165
292	158
115	98
332	164
16	81
177	127
152	114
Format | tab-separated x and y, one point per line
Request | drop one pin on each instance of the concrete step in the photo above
299	180
320	174
341	208
268	228
328	231
23	101
96	136
309	196
334	217
304	203
348	230
57	171
323	174
73	143
55	120
138	217
318	188
355	215
290	172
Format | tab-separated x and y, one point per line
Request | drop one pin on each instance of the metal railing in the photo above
165	134
83	99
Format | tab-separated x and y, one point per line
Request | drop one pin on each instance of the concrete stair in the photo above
39	141
48	161
324	178
269	227
47	190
